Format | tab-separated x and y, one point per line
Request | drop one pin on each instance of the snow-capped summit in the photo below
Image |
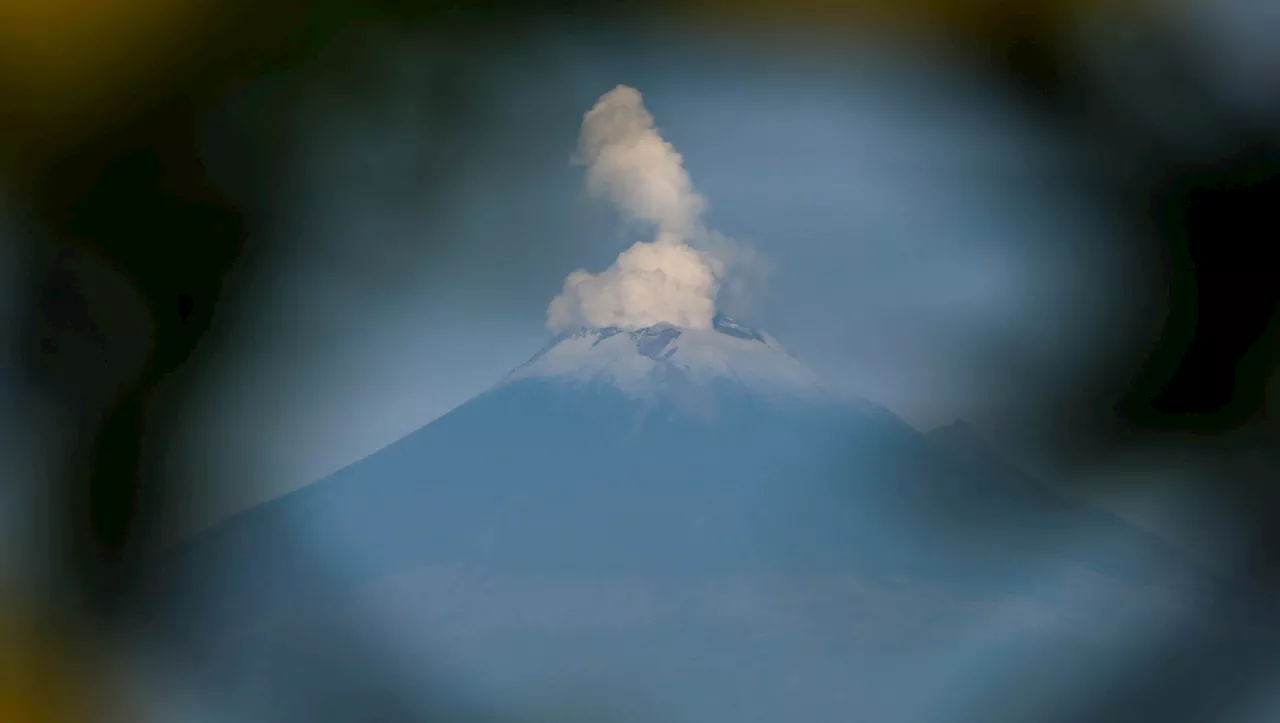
648	361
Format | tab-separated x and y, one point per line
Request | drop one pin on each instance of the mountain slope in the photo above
669	451
1026	509
670	498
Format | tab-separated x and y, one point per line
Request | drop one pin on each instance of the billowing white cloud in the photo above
675	277
651	282
628	162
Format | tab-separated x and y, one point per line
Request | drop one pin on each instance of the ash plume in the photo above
674	278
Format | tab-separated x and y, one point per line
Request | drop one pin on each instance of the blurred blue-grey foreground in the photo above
678	524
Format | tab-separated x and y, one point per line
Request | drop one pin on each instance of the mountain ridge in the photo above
723	499
561	414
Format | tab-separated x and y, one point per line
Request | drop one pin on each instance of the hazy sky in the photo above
925	253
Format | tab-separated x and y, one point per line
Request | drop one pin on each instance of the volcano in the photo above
688	521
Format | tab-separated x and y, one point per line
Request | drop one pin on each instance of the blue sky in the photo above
925	251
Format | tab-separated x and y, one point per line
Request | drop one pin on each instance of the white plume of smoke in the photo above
674	278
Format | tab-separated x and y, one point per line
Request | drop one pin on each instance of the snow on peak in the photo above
640	361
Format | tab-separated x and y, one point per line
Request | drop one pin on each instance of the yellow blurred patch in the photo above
40	680
65	63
